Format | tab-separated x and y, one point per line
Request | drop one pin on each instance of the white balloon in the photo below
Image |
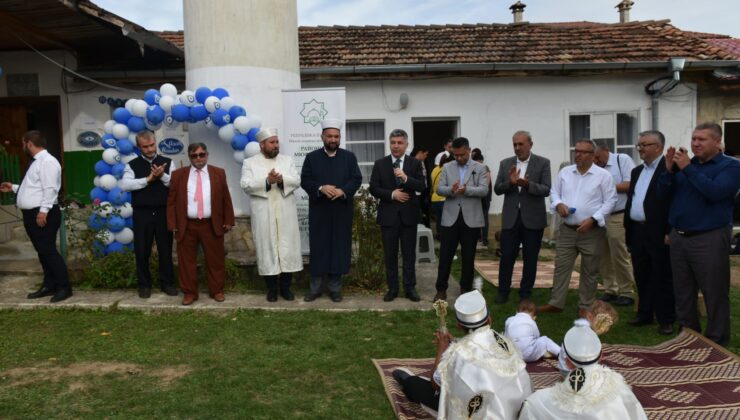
108	126
96	180
187	97
130	105
132	138
139	108
170	122
128	158
105	208
152	127
167	89
241	124
125	210
210	124
105	236
239	156
255	121
227	102
108	181
120	131
166	103
212	103
226	133
111	156
252	149
125	236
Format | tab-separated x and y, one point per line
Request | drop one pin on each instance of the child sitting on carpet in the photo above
522	330
601	316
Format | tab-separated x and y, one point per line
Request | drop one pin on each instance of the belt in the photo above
618	211
574	227
37	209
203	220
689	233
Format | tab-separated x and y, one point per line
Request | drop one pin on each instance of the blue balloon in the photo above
180	112
95	221
237	111
117	196
102	168
117	170
137	151
98	194
220	93
198	113
202	93
136	124
155	114
152	96
116	223
121	115
114	247
125	147
220	117
129	246
108	141
252	134
239	142
129	222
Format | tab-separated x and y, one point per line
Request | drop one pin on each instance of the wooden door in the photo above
13	124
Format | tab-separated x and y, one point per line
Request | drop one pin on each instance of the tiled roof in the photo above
731	45
558	43
176	38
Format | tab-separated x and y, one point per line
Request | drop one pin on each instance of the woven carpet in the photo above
489	271
688	377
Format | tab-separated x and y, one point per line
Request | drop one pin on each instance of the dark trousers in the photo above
201	232
420	390
44	240
151	224
530	240
437	207
651	265
449	238
702	262
283	280
486	203
407	236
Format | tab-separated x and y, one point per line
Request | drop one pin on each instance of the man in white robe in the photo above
270	179
590	391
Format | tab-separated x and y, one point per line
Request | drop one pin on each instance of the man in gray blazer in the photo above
524	181
463	183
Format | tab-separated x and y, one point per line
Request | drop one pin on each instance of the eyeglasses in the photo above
200	155
644	145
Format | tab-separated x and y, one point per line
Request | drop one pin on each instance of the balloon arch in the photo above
112	214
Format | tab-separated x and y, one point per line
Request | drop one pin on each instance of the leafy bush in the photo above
368	271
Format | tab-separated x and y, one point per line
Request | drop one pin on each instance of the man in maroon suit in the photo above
199	210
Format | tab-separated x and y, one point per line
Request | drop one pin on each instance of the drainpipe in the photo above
675	65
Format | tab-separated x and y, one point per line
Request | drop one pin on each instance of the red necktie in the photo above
199	193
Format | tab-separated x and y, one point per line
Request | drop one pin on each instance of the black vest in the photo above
154	194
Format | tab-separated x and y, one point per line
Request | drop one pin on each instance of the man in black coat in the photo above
395	180
646	228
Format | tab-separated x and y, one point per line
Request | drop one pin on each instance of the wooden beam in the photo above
13	25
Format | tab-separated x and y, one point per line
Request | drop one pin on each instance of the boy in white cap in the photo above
270	179
480	376
590	391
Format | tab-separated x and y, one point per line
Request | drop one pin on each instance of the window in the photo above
366	139
731	129
620	129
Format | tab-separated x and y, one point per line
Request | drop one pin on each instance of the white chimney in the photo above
624	10
518	10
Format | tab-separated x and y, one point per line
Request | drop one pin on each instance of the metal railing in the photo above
10	171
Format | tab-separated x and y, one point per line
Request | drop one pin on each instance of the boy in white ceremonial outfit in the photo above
522	330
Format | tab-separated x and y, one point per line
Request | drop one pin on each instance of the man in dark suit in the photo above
646	229
524	181
394	181
199	210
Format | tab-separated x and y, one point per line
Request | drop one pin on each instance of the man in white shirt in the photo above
445	152
616	268
37	199
583	195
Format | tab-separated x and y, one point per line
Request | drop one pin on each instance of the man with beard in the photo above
270	180
37	199
148	179
331	177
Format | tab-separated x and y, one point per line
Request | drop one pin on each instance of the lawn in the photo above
246	364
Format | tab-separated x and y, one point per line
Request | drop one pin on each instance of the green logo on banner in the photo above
313	112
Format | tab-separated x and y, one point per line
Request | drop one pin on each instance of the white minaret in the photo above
250	48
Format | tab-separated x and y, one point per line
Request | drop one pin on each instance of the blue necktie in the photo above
396	165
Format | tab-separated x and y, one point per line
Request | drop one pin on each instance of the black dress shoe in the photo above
169	290
501	298
441	295
412	296
390	295
639	322
272	295
42	292
287	294
624	301
145	292
335	296
400	376
608	297
310	297
61	295
665	329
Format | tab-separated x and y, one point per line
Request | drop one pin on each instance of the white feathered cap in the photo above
265	134
471	309
331	123
581	344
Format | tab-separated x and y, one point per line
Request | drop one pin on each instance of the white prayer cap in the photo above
265	134
471	310
581	344
331	123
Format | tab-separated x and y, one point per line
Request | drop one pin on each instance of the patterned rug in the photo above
688	377
489	271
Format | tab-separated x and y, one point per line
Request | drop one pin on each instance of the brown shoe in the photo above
549	308
441	295
189	299
219	297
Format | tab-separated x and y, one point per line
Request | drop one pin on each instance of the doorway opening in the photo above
432	133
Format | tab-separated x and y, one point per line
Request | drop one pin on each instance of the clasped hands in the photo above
274	177
583	227
515	179
331	192
678	157
155	173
